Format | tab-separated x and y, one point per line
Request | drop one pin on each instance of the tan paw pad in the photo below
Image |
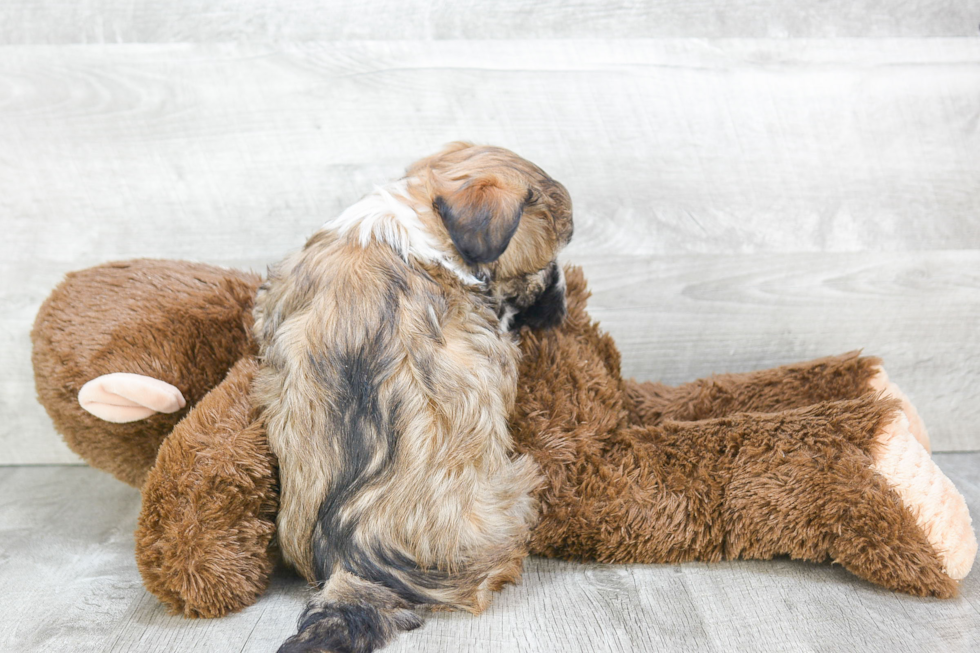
939	508
881	383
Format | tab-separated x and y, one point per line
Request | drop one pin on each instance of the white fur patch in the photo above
387	215
506	318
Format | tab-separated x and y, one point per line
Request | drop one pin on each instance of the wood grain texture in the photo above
667	147
233	153
143	21
70	584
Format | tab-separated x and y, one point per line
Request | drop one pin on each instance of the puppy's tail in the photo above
352	615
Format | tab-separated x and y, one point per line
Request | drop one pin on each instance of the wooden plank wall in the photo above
753	185
145	21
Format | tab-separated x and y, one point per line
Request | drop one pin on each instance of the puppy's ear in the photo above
482	216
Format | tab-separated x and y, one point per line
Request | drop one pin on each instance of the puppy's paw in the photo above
881	383
938	507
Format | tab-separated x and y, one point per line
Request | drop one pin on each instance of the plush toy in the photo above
824	460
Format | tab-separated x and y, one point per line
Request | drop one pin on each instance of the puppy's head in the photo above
506	220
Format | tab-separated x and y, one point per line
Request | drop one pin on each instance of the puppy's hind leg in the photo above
353	615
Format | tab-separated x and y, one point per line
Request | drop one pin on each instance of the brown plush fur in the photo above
145	317
205	536
767	391
631	477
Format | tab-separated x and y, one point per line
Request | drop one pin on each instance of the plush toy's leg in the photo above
204	536
184	324
847	376
832	481
813	482
791	386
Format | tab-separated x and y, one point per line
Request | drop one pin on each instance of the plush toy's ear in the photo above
121	397
483	215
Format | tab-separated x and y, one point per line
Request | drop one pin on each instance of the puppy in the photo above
389	369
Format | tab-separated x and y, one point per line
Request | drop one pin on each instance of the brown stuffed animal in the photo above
818	460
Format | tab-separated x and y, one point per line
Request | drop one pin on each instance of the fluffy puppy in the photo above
388	374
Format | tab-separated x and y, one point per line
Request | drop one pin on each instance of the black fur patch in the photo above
363	427
478	235
347	628
548	310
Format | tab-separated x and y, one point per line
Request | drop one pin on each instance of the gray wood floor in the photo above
70	584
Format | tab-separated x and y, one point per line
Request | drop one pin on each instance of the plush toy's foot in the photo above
939	509
881	383
122	397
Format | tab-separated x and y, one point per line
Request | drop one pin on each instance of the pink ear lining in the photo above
123	397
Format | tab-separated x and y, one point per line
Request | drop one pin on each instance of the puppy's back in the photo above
324	322
387	390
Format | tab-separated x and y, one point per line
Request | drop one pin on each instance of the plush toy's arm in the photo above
205	533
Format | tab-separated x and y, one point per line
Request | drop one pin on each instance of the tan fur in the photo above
547	223
387	381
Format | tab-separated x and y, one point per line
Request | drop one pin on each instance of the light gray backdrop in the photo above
753	185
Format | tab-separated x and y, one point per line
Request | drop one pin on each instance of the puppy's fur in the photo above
388	374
